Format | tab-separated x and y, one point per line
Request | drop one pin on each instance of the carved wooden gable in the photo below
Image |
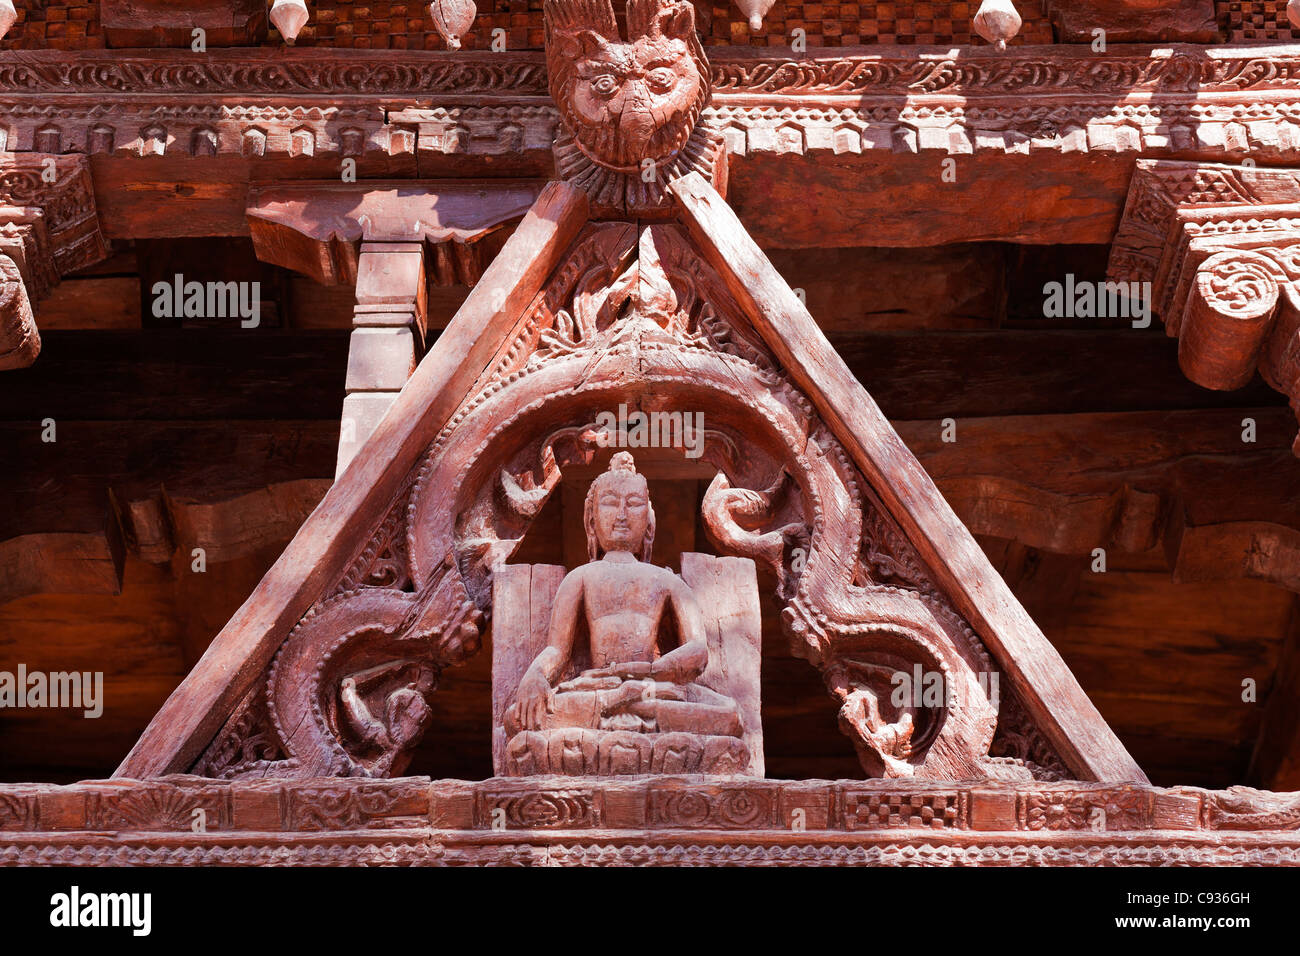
670	322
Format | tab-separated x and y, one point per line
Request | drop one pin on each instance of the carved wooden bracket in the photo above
1220	247
316	228
389	240
20	343
48	227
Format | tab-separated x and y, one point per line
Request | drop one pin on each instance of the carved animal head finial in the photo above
617	515
625	101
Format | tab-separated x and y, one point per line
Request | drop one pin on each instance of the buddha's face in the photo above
622	512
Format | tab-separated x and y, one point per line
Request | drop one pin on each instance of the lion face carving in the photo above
626	101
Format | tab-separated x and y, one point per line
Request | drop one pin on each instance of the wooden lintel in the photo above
1129	21
146	23
1130	482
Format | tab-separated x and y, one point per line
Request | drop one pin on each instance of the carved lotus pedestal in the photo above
613	753
728	593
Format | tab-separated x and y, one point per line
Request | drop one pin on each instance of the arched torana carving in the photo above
636	318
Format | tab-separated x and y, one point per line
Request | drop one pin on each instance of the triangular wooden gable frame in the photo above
320	552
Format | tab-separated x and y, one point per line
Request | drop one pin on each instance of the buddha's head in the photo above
618	515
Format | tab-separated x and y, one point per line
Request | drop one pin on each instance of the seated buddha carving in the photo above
623	599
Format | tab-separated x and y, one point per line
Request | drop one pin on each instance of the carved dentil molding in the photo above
1270	131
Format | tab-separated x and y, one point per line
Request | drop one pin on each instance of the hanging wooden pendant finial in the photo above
452	19
754	11
8	15
289	17
997	21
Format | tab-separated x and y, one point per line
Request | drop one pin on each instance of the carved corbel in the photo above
48	228
1215	251
316	228
1232	311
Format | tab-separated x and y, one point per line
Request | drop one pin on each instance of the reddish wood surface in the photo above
146	23
325	543
315	228
1053	696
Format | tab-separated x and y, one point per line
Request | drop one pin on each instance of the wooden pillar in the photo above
388	329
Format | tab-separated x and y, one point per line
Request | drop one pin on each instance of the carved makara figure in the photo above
404	716
631	107
883	745
622	599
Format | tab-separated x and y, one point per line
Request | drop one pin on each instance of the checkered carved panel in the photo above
55	25
382	25
910	22
347	23
1255	21
930	811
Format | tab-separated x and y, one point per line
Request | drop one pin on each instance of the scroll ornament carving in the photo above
1228	315
1242	315
889	73
347	694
